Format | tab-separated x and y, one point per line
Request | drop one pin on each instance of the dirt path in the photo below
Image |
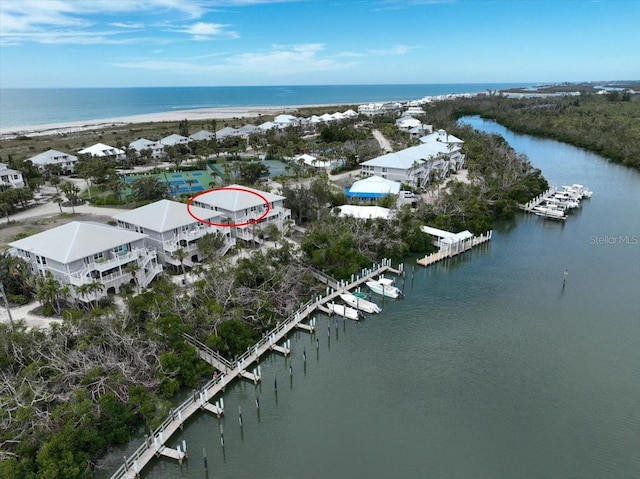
384	143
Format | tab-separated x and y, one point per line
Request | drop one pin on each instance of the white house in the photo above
417	165
10	177
405	123
202	135
246	130
419	131
170	227
240	205
283	121
174	140
225	132
100	150
79	253
66	161
157	150
312	161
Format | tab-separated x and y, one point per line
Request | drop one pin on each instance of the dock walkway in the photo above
455	249
155	445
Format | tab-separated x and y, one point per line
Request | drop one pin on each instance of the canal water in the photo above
488	368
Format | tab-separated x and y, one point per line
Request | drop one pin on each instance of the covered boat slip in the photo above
451	244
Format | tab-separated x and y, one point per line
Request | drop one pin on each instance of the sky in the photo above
131	43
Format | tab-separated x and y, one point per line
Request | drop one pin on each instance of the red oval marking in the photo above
228	225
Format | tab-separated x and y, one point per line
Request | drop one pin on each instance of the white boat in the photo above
360	303
345	311
580	190
384	287
549	212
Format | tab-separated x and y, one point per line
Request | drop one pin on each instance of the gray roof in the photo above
405	159
142	144
248	129
76	240
233	200
52	156
174	139
165	215
226	131
202	135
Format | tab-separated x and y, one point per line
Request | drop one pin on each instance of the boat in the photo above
344	311
360	303
580	190
385	287
549	212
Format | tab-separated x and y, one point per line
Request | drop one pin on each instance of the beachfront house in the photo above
100	150
170	228
83	253
65	161
174	140
202	135
10	177
284	120
240	205
155	147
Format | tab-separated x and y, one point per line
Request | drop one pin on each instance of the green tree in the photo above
148	188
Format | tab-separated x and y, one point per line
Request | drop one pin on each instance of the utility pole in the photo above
6	304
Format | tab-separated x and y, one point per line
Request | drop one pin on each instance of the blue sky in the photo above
123	43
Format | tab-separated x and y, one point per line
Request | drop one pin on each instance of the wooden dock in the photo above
528	207
455	249
155	444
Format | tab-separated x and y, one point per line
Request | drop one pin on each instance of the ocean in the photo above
31	107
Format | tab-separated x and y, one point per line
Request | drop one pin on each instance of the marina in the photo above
556	203
154	444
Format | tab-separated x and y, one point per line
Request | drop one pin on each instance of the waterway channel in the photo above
488	368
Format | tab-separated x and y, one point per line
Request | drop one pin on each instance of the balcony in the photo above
118	262
185	239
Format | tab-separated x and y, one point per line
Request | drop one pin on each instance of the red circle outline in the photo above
228	225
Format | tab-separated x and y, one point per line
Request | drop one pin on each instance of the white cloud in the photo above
396	50
280	60
19	19
204	31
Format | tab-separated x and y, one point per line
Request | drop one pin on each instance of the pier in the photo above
454	249
529	207
155	444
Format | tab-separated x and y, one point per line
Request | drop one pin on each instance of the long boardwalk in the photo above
455	249
154	445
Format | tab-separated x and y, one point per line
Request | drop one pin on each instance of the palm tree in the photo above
58	199
180	255
47	292
133	268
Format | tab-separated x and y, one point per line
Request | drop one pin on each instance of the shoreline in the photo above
217	113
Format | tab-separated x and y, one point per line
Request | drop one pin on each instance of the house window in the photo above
41	260
138	229
98	256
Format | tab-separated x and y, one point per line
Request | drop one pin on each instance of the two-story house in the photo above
170	227
100	150
242	206
81	253
10	177
65	161
156	148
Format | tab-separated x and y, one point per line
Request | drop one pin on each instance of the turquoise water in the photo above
29	107
489	368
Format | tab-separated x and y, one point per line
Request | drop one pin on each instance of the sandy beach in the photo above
177	115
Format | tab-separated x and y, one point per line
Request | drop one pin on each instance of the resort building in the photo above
156	148
65	161
9	177
82	253
417	165
100	150
242	206
169	227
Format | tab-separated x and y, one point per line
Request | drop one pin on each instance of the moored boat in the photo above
345	311
360	303
384	287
